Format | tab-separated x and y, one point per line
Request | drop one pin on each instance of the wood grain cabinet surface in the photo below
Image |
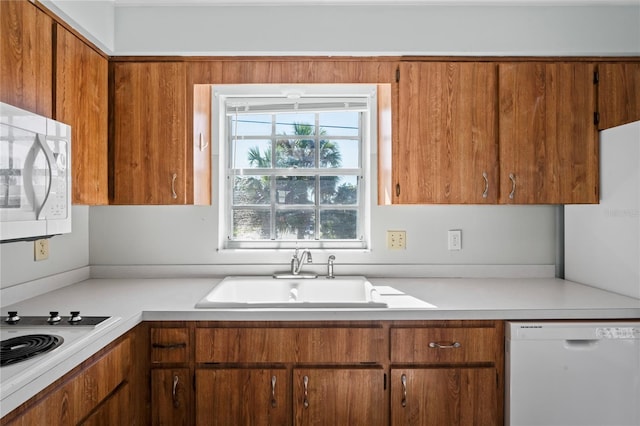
172	377
548	137
96	391
388	372
283	375
82	102
244	396
447	149
447	373
148	144
26	57
618	93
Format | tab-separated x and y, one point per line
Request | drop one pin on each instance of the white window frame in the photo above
223	94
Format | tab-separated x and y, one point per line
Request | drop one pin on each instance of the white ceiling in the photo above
369	2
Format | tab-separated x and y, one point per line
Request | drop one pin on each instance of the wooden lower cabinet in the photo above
243	396
444	396
332	396
92	395
328	373
111	411
171	396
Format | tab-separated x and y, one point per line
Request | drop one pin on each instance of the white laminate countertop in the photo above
166	299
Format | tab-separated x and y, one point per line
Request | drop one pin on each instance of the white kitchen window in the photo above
294	165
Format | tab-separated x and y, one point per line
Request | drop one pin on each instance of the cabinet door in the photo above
149	143
618	94
447	149
444	396
113	411
82	102
242	396
548	139
26	57
171	396
339	396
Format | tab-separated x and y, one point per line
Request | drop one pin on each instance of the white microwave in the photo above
35	176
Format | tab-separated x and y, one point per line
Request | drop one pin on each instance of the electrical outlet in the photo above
41	249
455	239
396	240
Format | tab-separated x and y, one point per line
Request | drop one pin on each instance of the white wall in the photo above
66	252
94	19
397	29
187	235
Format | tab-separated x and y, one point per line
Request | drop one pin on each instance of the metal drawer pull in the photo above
174	395
273	392
485	194
438	345
173	186
513	185
203	145
403	378
169	345
305	402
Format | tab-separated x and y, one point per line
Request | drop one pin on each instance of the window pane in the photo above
295	189
338	224
340	153
295	224
251	190
340	123
251	224
247	154
250	125
339	190
295	124
295	153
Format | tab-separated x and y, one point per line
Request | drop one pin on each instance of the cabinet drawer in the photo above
444	345
290	344
169	345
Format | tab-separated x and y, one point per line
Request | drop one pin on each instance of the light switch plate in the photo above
455	239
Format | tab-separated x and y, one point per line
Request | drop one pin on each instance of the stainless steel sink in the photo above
266	292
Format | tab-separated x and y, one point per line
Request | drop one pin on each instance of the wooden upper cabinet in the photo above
548	139
82	102
26	57
148	151
447	149
618	94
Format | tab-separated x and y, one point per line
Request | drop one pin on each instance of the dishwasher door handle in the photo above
581	344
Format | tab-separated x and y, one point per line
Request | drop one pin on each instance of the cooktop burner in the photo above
20	348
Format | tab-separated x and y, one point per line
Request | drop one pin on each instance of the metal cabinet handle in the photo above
273	392
485	193
403	379
203	145
305	381
174	395
169	345
438	345
173	186
513	185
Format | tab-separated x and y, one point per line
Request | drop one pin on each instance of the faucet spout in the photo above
298	262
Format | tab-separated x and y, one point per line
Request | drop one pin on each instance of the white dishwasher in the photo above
572	373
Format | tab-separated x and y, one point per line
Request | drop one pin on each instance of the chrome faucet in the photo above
330	261
297	262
